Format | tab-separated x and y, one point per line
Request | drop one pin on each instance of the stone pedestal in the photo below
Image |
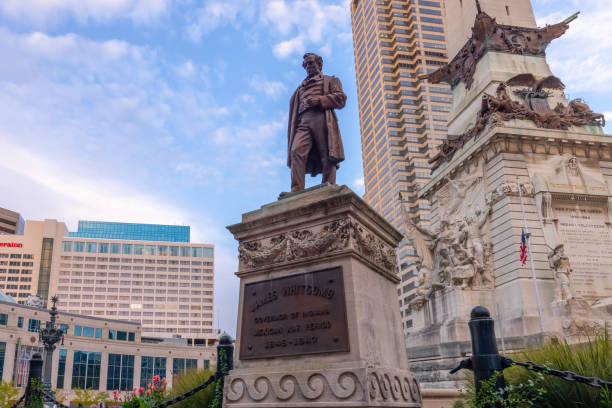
303	259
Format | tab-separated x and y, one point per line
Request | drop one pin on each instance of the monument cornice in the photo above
520	136
342	200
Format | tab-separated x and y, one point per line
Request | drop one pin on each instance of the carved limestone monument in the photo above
519	156
318	319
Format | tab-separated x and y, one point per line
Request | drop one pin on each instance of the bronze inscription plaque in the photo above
300	314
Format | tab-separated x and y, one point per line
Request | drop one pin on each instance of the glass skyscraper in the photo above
129	231
403	118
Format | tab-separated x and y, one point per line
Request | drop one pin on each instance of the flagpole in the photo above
528	238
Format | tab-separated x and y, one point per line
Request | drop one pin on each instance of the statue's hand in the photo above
313	102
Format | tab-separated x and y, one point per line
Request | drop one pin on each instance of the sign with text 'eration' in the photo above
294	315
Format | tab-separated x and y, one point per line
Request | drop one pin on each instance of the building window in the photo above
44	275
120	372
138	249
2	352
182	365
33	325
112	334
86	370
162	250
61	368
208	252
92	247
115	248
131	336
174	251
207	365
20	322
127	249
185	251
64	328
67	246
152	366
78	330
79	246
3	322
150	250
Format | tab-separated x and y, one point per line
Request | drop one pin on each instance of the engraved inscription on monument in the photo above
294	315
588	244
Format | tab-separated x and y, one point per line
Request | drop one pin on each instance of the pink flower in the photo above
149	385
164	381
140	390
156	378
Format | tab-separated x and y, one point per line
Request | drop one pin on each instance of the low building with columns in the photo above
97	353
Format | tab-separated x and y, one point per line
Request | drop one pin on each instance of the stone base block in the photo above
338	386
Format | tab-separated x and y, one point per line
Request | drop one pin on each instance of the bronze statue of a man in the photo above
315	144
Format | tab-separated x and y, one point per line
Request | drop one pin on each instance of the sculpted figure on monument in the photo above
559	263
488	35
315	144
502	107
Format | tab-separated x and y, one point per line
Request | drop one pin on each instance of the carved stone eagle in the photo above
549	82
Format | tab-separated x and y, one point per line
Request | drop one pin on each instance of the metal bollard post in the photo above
486	360
36	369
225	343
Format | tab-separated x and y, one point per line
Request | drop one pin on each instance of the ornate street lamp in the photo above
49	337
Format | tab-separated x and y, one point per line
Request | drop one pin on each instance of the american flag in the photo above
523	248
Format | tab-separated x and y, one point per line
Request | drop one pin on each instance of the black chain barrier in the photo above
15	405
211	379
49	397
486	361
564	375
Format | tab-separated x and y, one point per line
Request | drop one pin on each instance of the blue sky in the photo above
174	111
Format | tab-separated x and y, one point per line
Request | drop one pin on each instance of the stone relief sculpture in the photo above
560	265
455	254
534	107
488	35
339	235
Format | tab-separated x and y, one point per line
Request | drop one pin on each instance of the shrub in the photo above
590	359
88	397
188	381
9	394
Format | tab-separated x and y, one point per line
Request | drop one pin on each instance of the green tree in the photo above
9	394
88	397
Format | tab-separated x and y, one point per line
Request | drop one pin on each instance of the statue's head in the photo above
313	64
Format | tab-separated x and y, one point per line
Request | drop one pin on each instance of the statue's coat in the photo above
333	98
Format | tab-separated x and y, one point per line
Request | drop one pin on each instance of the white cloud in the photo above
290	47
582	56
359	185
310	22
299	23
46	12
215	13
273	89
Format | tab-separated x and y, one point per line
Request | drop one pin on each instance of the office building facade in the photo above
97	353
166	286
11	222
403	118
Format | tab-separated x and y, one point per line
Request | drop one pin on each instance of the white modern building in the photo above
148	274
